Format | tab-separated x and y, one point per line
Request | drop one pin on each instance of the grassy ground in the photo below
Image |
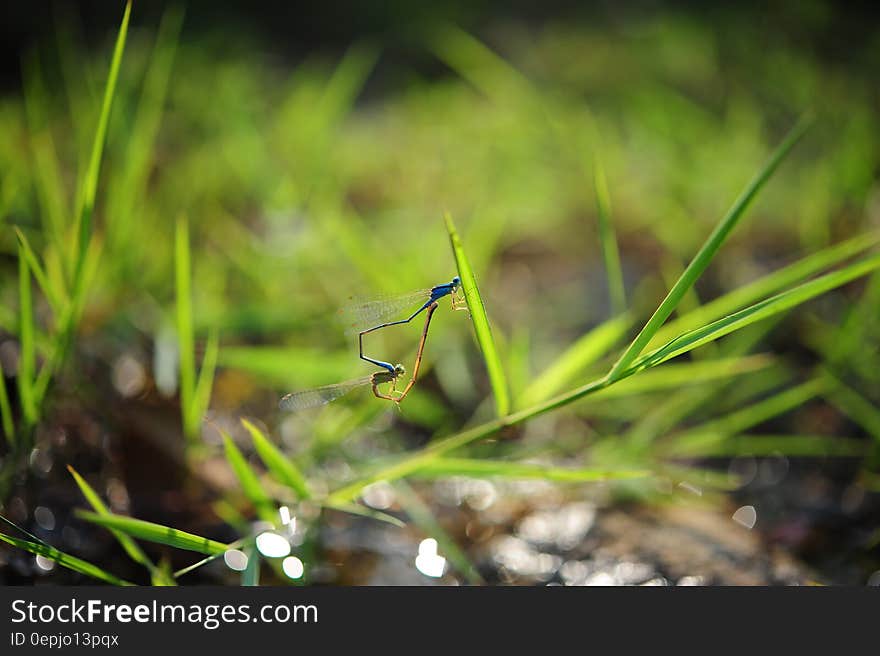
665	234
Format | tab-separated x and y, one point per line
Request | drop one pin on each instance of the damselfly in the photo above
322	395
362	316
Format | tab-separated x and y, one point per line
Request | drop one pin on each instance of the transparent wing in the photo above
320	395
362	313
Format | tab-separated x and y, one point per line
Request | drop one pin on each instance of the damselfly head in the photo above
456	283
399	370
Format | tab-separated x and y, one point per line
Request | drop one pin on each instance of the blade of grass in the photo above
287	365
770	284
202	394
250	577
125	196
478	64
250	482
608	240
422	517
64	560
481	323
767	308
347	81
27	359
677	376
482	468
72	310
83	224
47	172
701	477
854	405
707	252
577	357
130	546
185	339
16	527
142	530
861	324
197	565
361	511
752	415
6	413
210	559
674	410
80	84
768	445
517	353
49	290
281	467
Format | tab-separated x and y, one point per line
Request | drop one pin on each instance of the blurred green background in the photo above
312	164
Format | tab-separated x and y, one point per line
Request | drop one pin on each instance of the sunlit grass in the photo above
233	199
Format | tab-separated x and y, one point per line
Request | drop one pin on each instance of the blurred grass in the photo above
130	546
304	185
284	470
249	481
483	330
708	251
64	559
152	532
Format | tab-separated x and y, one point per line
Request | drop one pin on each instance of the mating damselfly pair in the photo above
363	317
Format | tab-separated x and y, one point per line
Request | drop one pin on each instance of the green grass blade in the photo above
52	294
702	478
752	415
250	577
422	517
185	339
478	64
127	194
481	468
687	402
362	511
287	366
250	482
416	461
64	560
767	308
47	172
196	565
577	357
83	226
16	527
130	546
27	361
481	323
860	325
70	314
202	394
281	467
794	446
608	240
142	530
6	415
347	81
854	405
707	252
772	283
78	76
678	376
